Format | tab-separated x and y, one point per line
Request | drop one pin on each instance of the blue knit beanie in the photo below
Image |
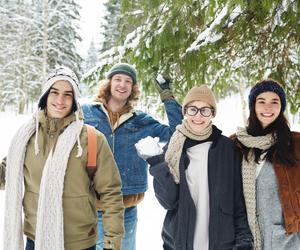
122	68
266	86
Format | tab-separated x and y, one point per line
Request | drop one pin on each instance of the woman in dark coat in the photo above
198	182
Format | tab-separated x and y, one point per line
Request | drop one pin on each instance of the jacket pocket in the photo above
226	226
132	127
79	217
281	241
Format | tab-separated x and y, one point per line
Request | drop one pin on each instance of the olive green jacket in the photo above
79	200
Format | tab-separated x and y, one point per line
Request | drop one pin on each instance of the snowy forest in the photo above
226	44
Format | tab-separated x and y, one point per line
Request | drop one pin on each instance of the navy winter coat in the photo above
228	226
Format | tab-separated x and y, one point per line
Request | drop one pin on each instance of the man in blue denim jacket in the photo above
113	114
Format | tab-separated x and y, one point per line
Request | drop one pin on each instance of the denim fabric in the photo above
130	223
30	245
133	169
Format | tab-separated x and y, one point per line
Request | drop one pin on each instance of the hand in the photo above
148	147
163	86
163	82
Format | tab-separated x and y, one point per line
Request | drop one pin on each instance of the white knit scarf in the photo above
176	143
249	178
49	228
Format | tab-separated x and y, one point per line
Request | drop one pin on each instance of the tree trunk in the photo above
241	88
45	40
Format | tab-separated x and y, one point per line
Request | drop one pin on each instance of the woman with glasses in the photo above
198	182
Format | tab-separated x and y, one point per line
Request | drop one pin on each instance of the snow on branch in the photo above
277	18
210	35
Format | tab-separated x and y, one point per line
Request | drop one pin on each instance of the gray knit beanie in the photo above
123	68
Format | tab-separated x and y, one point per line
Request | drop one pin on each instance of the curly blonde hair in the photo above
104	93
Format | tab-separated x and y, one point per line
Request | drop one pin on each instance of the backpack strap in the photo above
92	150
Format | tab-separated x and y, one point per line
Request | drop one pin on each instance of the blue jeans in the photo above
130	223
30	245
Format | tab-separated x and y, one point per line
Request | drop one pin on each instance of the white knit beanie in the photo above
61	73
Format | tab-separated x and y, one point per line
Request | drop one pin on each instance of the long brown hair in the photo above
282	151
104	93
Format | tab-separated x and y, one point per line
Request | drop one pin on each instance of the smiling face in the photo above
267	108
121	87
60	100
198	122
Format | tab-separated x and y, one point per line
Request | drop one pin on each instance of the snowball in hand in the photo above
148	147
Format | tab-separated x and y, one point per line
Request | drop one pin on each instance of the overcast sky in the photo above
91	16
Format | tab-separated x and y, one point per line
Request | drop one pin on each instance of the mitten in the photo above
148	147
163	86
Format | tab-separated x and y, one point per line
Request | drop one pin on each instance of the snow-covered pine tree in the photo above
227	44
58	27
110	25
35	36
18	64
91	59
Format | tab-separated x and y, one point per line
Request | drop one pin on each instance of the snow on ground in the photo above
150	213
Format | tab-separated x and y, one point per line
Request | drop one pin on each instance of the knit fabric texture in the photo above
249	178
176	143
60	73
267	86
123	68
200	93
50	224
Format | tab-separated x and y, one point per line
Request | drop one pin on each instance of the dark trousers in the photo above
30	245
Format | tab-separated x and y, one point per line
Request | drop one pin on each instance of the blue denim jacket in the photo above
133	169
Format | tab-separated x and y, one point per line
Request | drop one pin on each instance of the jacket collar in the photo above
123	118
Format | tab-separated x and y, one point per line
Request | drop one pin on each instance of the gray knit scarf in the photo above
49	228
176	143
249	180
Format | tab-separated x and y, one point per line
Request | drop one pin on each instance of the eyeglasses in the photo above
204	111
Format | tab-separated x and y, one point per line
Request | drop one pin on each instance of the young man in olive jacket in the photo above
48	157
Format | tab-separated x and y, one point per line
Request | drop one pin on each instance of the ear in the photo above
135	87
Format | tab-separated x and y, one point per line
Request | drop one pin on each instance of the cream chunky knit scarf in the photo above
176	143
249	180
49	227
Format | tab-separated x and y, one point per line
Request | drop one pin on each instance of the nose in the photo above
268	106
122	83
198	115
60	99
